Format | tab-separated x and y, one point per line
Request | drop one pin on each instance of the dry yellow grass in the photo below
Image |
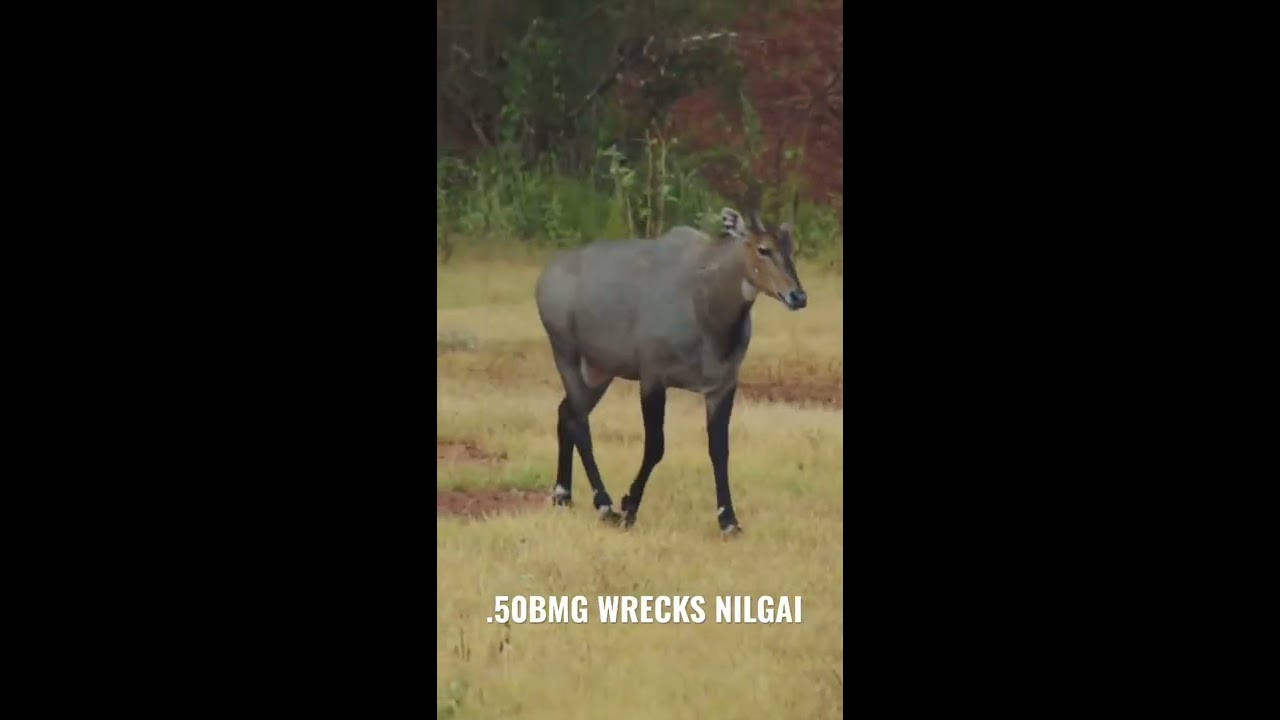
497	388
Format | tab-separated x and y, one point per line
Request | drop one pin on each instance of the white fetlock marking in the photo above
561	491
720	512
605	510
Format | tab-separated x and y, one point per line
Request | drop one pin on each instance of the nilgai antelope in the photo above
671	312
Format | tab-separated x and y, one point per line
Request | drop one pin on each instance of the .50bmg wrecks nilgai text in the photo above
644	609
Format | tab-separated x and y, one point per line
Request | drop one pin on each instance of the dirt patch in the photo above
825	393
479	503
790	379
465	451
794	380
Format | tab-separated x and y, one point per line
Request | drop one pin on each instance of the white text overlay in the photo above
647	609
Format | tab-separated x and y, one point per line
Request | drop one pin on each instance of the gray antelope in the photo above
670	312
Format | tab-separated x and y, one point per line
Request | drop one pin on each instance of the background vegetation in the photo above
561	121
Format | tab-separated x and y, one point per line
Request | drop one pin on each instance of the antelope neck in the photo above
729	295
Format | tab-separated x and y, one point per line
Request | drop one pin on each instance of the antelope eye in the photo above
764	250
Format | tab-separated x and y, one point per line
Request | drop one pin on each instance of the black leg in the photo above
653	405
580	431
563	493
580	400
719	410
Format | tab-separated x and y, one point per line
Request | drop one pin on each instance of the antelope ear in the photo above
733	223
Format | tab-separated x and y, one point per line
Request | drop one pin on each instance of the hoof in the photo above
560	497
729	526
608	516
628	512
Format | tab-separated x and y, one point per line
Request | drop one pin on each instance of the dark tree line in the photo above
743	94
567	76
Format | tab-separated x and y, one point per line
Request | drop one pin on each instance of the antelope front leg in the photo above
719	410
653	403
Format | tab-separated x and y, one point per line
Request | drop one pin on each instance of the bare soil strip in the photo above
481	503
820	384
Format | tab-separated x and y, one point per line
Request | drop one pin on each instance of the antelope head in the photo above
769	254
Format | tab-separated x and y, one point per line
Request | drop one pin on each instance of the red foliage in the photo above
793	60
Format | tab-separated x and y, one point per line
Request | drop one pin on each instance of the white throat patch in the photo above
749	291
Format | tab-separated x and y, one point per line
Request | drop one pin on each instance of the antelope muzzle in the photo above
795	298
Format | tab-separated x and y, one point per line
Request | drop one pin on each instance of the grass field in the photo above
497	397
